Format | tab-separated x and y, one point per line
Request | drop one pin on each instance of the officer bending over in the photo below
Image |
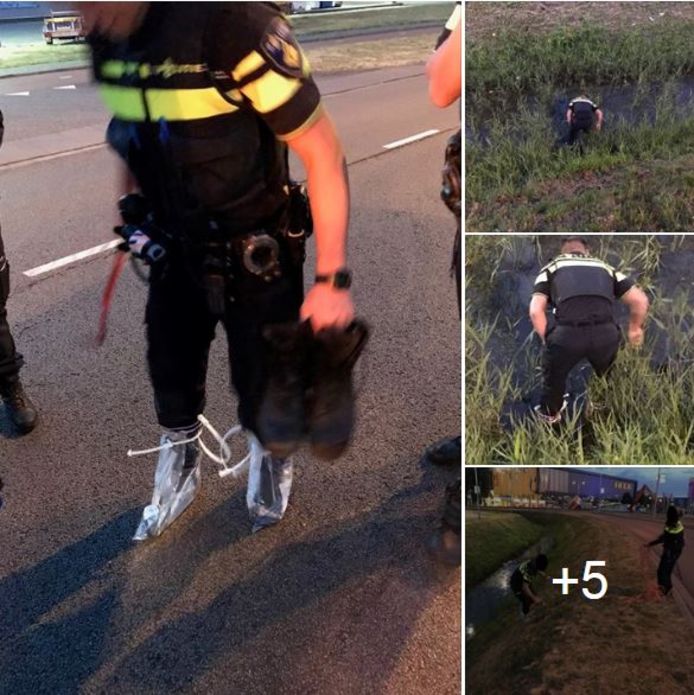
582	290
522	581
672	539
582	115
206	98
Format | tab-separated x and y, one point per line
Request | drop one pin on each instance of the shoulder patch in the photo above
281	49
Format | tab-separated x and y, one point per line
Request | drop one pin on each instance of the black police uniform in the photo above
523	574
10	360
203	95
583	110
582	291
672	539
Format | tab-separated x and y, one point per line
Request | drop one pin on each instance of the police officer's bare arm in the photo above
600	117
321	154
444	70
637	301
538	307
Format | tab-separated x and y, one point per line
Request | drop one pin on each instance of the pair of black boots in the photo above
309	394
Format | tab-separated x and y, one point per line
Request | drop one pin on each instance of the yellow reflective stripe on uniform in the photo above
271	90
171	104
675	529
251	62
578	263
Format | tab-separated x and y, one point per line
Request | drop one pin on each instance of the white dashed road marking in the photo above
412	138
17	94
54	265
66	86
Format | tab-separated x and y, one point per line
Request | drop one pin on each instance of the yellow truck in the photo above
63	25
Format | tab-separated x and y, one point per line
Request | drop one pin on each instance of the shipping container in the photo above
554	481
514	482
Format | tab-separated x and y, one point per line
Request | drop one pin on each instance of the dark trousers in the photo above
576	130
517	588
181	327
565	347
10	360
668	560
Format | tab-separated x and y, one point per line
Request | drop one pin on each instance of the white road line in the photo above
412	138
64	77
53	265
48	157
17	94
66	86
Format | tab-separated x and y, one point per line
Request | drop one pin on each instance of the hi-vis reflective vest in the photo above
574	275
199	135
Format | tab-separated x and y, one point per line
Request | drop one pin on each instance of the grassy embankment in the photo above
493	539
647	414
633	176
358	54
570	644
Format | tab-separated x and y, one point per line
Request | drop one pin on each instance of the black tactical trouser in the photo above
565	347
10	360
181	327
668	560
517	582
575	129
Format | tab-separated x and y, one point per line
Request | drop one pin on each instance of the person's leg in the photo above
179	332
565	347
605	341
257	305
444	545
20	409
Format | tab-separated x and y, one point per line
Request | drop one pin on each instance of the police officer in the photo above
444	73
522	581
672	539
582	290
582	115
17	404
206	98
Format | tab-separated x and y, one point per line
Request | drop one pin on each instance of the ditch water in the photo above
484	601
629	104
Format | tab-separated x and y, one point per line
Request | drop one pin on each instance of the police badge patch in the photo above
282	51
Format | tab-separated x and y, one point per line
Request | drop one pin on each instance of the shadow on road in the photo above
361	588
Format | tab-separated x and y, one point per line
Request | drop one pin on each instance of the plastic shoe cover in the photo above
269	485
176	483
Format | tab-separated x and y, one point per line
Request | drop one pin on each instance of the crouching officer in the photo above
582	115
521	581
206	98
17	404
672	539
582	290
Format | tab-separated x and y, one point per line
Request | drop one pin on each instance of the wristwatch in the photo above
341	279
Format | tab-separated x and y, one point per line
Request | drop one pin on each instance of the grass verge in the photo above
570	644
355	55
493	539
647	402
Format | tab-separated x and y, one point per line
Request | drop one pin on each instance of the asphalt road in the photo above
341	596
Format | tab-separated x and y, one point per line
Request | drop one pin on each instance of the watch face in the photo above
342	279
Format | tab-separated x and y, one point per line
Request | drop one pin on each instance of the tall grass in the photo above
514	63
644	410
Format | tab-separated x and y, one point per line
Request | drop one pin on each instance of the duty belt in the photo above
591	322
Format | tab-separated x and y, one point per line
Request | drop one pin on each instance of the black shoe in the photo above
281	418
446	452
331	405
19	408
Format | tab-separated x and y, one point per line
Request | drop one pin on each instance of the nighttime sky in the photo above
676	477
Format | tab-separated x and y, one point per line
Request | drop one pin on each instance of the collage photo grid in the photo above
578	350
